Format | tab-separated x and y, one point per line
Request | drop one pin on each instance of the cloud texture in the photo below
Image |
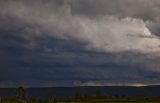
81	38
107	33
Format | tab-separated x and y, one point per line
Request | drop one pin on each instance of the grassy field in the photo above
117	101
88	101
112	101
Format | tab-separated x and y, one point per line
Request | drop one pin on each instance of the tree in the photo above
21	92
98	93
78	95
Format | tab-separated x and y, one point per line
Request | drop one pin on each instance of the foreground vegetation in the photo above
93	100
97	98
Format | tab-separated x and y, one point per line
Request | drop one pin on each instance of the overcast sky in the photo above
46	43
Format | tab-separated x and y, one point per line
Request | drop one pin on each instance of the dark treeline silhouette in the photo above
22	97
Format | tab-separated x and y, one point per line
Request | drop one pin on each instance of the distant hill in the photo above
66	92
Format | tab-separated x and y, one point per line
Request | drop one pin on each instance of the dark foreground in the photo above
87	100
69	92
150	94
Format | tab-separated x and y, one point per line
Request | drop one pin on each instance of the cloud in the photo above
86	41
106	33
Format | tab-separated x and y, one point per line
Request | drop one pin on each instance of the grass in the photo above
119	101
82	100
94	100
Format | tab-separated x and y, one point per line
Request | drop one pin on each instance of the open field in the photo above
83	101
118	101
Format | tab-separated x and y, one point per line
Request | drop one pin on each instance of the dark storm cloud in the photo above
137	8
79	42
143	9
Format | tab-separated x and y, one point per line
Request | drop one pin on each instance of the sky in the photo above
45	43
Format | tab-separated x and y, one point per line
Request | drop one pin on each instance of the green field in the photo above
120	101
113	101
86	101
